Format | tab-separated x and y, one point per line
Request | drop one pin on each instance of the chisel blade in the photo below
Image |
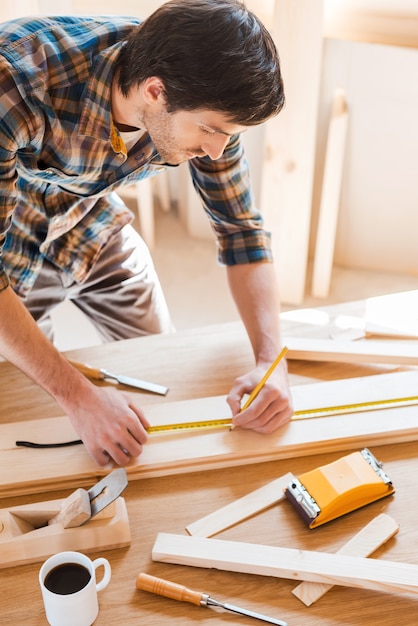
137	383
237	609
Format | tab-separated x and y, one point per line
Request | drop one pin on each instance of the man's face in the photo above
182	135
177	136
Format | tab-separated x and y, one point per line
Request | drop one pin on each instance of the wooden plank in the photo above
342	351
27	470
241	509
321	567
290	140
330	197
364	543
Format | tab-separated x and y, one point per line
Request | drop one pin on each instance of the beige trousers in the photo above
122	295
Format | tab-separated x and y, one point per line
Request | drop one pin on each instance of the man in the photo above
89	105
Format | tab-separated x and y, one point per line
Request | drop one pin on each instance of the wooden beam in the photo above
364	543
321	567
27	470
288	166
241	509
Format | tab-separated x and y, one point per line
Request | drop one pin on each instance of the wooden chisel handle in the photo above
88	370
168	589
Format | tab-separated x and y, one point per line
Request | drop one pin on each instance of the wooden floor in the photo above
197	292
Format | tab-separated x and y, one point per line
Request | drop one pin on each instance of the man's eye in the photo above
205	131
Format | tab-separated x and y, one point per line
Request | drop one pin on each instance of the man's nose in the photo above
215	146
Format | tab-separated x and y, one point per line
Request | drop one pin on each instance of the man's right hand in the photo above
109	422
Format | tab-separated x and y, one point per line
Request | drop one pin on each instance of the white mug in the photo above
69	588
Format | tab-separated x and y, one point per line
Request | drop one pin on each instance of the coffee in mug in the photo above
69	588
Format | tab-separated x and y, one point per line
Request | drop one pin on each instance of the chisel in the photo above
184	594
97	373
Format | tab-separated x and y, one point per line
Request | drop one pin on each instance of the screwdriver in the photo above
184	594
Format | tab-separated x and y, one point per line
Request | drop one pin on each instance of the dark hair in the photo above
209	54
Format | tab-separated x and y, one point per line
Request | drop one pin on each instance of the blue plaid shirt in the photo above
61	157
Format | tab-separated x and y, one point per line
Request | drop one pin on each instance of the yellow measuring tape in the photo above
301	414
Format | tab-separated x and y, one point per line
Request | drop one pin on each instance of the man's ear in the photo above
153	90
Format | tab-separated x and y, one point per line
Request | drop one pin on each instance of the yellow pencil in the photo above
263	381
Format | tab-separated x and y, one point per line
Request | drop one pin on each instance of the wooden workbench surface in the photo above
199	363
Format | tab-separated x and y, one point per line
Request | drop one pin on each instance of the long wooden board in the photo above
253	558
26	470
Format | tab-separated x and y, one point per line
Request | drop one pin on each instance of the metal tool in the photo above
82	505
184	594
101	374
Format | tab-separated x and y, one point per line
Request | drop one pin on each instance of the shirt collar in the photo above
96	114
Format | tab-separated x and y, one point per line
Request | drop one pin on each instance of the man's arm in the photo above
254	289
110	424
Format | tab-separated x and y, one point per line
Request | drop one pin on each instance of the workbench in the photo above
195	364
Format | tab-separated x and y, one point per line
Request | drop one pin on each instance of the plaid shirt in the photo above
61	157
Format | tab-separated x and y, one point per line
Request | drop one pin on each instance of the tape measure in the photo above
298	415
219	423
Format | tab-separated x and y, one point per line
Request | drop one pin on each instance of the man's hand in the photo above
109	422
271	408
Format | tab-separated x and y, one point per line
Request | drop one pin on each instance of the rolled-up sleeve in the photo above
225	189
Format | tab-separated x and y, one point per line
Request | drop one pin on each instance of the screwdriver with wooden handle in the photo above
168	589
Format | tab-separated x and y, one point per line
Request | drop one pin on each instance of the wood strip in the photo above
251	558
28	470
337	350
364	543
330	197
241	509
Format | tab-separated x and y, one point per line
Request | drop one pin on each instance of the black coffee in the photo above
67	578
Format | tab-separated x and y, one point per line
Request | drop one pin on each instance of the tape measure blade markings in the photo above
183	426
310	400
355	394
355	408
